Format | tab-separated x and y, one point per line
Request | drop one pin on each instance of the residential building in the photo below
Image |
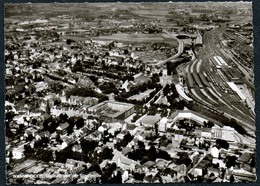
124	162
62	128
224	133
150	121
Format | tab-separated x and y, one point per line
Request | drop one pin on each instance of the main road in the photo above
180	50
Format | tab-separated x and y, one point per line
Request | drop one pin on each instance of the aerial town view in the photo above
129	93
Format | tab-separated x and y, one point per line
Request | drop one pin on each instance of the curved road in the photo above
180	50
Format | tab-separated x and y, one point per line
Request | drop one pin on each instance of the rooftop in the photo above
150	119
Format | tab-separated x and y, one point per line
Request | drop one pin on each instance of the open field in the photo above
76	38
138	38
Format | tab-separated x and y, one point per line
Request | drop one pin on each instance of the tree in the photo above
77	67
58	139
138	154
111	45
141	144
28	151
9	115
155	77
164	155
88	146
156	126
222	143
56	87
128	138
34	121
204	171
93	78
180	105
44	155
232	179
77	155
175	94
107	153
152	110
126	52
169	68
11	157
184	159
20	129
166	90
52	127
231	161
85	157
136	117
95	167
107	172
48	108
86	92
108	88
63	155
80	123
30	137
139	176
240	129
253	162
152	153
208	124
20	180
118	178
63	117
204	17
68	41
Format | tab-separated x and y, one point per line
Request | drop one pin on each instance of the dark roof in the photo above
149	164
79	169
44	133
148	178
46	116
169	171
245	157
126	150
203	163
131	126
58	180
164	143
206	130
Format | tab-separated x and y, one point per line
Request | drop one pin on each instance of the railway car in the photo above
197	80
190	80
203	79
